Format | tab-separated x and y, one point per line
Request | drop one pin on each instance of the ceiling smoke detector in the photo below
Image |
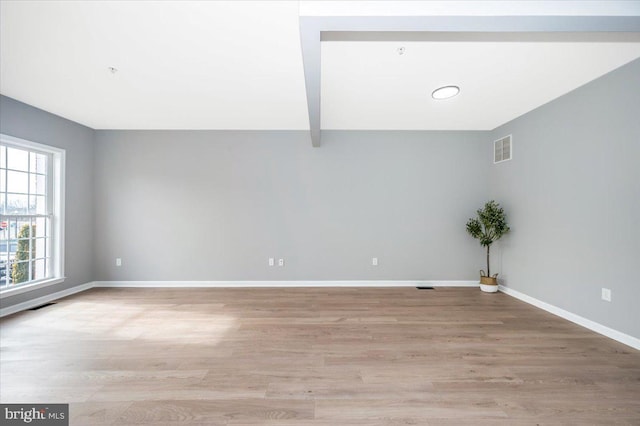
445	92
112	70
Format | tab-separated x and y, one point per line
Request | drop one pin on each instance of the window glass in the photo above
27	252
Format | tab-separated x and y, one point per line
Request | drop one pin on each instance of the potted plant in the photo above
488	227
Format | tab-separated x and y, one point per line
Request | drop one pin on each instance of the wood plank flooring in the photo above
314	356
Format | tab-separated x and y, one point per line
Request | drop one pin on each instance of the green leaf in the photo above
490	224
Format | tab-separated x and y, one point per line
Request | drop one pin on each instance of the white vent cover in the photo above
502	149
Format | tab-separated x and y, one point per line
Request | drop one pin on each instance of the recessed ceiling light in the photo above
445	92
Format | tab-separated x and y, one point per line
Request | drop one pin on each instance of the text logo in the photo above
35	414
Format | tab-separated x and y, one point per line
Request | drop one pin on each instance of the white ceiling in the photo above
182	65
368	85
469	8
238	65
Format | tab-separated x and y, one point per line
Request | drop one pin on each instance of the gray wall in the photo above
572	192
26	122
211	205
214	205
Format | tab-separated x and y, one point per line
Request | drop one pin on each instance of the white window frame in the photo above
57	174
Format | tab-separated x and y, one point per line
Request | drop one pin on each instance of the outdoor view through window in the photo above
25	216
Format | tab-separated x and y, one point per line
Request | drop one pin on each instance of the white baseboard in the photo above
577	319
44	299
240	284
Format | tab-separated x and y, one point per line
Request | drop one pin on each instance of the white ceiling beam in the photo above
313	26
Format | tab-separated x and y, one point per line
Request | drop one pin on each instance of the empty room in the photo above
243	213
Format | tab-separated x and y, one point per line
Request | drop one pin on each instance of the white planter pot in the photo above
488	288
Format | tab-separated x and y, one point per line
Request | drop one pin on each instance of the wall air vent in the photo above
502	149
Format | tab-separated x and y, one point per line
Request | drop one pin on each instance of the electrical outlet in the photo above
280	262
118	261
374	261
606	294
272	261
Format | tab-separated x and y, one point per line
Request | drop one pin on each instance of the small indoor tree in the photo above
488	227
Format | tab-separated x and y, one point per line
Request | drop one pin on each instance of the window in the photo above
31	219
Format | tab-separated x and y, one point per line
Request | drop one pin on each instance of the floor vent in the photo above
42	306
425	288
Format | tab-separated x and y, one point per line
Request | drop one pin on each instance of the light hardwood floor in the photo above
315	356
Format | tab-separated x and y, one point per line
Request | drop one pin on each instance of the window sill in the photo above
12	291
